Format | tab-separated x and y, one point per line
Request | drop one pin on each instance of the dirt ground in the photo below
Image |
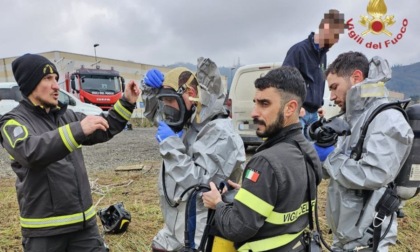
137	189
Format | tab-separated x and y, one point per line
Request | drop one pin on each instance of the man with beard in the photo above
310	58
357	185
197	142
44	139
270	209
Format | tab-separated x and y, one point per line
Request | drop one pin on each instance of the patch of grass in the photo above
141	123
140	198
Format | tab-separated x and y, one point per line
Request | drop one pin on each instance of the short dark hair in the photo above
335	19
346	63
287	80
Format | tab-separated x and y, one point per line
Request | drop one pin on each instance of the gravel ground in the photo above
130	147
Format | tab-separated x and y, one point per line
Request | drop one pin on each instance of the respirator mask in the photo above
325	132
172	109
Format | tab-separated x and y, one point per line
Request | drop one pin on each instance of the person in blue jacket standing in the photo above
310	58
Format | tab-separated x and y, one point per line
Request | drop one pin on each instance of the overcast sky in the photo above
163	32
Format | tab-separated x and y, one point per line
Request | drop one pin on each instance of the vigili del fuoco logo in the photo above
378	22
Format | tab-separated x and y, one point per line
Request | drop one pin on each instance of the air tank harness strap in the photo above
386	206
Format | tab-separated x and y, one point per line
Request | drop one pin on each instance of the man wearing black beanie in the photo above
29	70
44	141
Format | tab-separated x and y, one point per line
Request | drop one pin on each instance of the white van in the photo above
241	96
10	96
330	109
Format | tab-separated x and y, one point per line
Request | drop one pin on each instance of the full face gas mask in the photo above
172	108
325	132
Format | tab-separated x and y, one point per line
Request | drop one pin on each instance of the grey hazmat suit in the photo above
210	150
386	147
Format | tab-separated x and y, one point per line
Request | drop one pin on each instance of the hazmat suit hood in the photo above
370	89
211	92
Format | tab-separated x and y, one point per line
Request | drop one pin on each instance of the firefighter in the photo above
44	141
197	142
356	186
270	209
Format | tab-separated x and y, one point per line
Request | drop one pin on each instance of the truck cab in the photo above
97	86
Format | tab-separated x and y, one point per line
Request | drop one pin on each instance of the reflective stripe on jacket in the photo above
52	184
57	220
270	210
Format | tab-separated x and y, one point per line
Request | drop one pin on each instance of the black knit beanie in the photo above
29	70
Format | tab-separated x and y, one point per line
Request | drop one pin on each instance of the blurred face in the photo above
329	35
339	87
46	93
268	113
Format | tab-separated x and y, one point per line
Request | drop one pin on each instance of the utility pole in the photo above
94	48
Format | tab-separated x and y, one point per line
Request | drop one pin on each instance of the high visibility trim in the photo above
253	202
269	243
260	206
290	217
123	112
57	220
15	123
67	138
71	137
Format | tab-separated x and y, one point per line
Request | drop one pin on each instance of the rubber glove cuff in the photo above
164	131
323	152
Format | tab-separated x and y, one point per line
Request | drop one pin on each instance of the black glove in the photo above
325	132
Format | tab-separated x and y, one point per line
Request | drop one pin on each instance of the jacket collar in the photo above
316	48
286	132
59	110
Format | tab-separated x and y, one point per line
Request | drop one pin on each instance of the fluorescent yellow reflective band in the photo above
58	220
67	138
286	218
269	243
14	123
123	112
260	206
256	204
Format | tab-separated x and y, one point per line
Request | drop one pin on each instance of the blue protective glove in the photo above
154	78
323	152
165	131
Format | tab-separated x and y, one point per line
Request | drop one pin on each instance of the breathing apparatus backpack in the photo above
409	175
407	183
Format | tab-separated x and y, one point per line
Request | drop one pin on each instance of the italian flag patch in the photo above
252	175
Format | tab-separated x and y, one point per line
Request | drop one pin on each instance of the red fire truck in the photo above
97	86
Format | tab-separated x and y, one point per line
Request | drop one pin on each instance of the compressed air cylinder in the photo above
409	176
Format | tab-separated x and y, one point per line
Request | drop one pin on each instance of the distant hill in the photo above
406	80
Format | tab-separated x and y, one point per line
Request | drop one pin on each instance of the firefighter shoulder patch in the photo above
252	175
14	132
